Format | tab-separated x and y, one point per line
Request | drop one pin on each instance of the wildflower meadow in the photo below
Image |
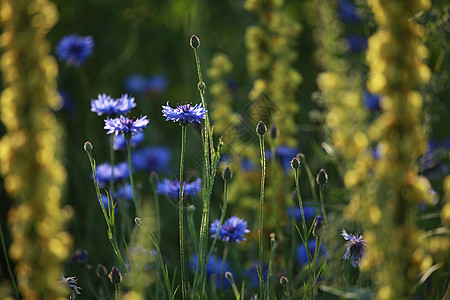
255	149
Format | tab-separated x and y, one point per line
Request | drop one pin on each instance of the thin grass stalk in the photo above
8	266
136	203
111	158
311	181
191	225
322	204
224	258
273	184
261	216
180	213
270	269
109	225
116	291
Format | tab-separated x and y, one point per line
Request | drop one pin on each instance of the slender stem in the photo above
269	271
224	258
273	184
261	216
191	226
322	204
117	291
8	266
111	155
180	212
157	209
310	179
222	218
136	203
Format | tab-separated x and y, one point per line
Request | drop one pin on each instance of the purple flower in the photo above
347	12
356	246
171	188
151	159
75	49
120	143
104	104
124	192
232	230
185	113
307	211
125	125
356	43
284	155
213	267
372	101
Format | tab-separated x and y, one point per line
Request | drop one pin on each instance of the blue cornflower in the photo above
75	49
347	12
103	173
104	104
284	155
152	158
307	211
146	85
372	101
184	113
356	43
356	246
302	258
80	256
232	230
120	143
214	266
125	125
124	192
251	274
171	188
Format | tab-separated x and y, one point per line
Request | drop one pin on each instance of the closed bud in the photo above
284	281
88	147
114	276
273	132
322	177
101	271
226	174
261	128
228	275
191	209
195	42
318	226
295	163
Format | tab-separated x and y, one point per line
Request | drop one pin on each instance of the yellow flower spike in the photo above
30	146
445	214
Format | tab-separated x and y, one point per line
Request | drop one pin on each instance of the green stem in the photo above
222	218
180	212
310	177
111	155
322	204
261	216
8	266
191	226
273	184
136	203
117	291
224	258
269	271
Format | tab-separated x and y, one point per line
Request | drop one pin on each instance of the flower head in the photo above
75	49
171	188
71	282
104	104
185	113
232	230
80	257
152	158
356	246
125	125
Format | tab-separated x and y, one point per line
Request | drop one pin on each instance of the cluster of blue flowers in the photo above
74	49
125	126
356	246
171	188
151	158
146	85
103	173
232	230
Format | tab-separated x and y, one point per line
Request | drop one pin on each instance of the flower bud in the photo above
226	174
115	275
195	42
318	226
273	132
295	163
261	128
322	177
101	271
284	281
191	209
228	275
88	147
